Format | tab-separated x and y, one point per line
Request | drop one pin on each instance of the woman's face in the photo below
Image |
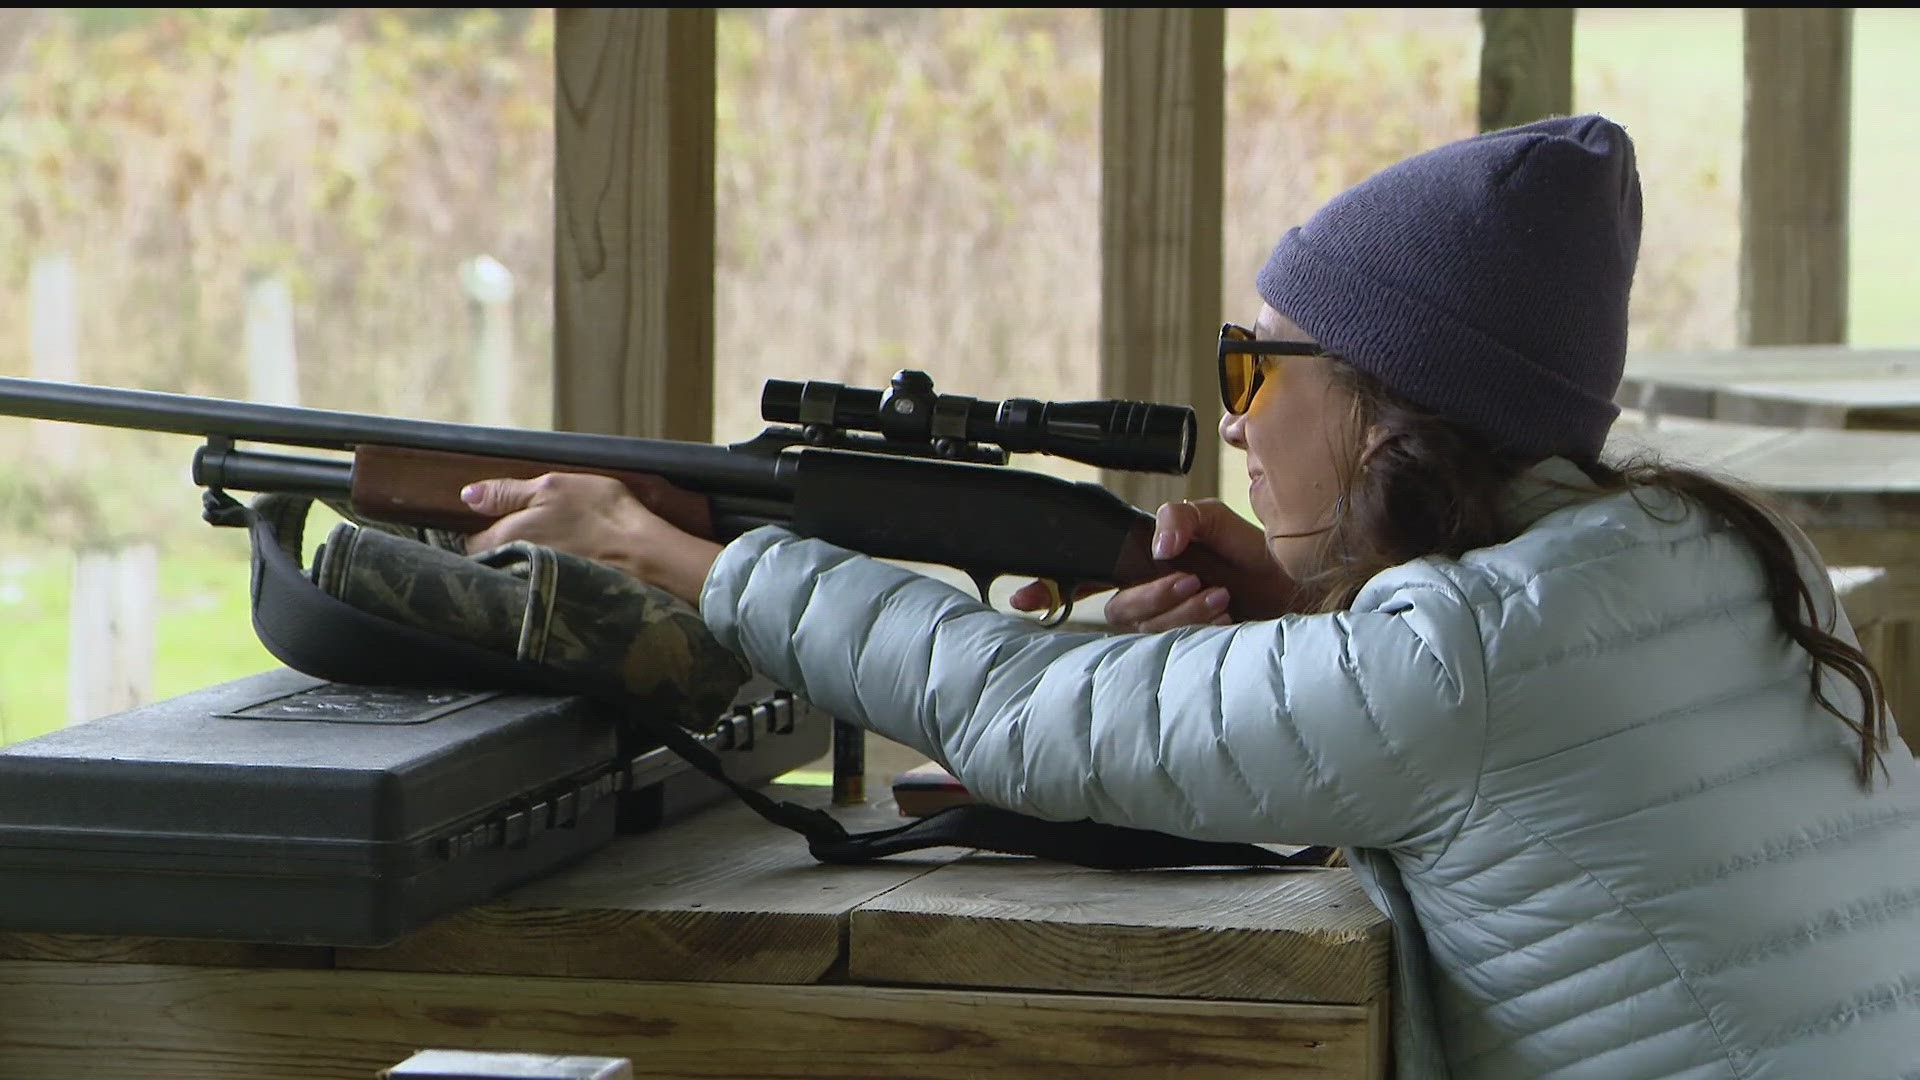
1299	436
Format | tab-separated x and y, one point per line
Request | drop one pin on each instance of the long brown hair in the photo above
1430	488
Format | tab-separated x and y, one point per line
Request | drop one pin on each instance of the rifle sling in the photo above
315	633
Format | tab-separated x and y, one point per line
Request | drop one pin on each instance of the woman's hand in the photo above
1244	582
598	518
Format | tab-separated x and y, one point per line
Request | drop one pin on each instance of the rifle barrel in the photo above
697	466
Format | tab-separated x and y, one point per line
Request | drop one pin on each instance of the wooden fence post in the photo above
273	370
491	286
110	630
1162	101
1526	65
53	349
1793	177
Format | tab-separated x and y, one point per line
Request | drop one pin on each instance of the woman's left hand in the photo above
595	517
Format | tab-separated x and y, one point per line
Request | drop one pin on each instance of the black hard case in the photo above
282	808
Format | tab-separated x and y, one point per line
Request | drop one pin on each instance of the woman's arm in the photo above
1362	728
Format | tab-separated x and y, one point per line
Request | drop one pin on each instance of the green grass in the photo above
202	636
203	631
1885	282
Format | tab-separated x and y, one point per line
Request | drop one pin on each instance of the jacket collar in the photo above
1554	484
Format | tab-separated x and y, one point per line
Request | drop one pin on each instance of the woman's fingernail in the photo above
1185	585
1217	600
470	494
1162	545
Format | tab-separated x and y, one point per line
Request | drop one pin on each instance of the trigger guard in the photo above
1064	609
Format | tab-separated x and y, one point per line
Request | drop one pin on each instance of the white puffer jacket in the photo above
1580	771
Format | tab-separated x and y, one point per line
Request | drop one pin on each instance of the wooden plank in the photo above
1380	1026
1895	652
132	1022
53	337
1820	386
1784	460
1526	65
1001	922
1864	591
1793	178
634	221
110	629
1686	442
1816	462
1719	367
1893	392
1889	547
1883	607
721	896
107	949
1162	113
1856	493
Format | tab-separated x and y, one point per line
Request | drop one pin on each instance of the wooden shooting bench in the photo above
718	947
1801	386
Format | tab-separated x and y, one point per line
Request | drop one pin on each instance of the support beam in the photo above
1161	163
634	221
1526	65
1795	158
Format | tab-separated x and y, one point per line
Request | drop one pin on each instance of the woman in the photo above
1596	739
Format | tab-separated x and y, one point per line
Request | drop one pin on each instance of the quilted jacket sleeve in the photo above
1362	728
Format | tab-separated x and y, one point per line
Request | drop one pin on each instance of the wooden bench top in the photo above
1790	386
725	897
1781	461
1856	493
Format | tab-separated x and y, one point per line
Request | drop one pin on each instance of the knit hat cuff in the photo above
1433	360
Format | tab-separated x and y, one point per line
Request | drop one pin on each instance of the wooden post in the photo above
1161	165
633	204
273	370
1793	193
490	285
53	346
1526	65
110	630
1883	606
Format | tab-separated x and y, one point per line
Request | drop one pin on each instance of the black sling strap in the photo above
315	633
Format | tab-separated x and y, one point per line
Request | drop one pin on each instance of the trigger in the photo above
1059	604
982	581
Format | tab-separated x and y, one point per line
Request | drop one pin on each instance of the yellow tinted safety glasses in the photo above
1241	359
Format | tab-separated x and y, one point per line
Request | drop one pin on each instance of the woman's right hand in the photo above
1247	583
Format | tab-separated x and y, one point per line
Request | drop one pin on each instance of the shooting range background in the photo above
352	208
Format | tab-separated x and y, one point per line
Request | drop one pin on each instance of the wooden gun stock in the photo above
422	488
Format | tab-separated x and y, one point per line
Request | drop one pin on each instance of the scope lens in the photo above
1137	436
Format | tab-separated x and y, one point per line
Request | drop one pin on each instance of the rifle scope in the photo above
1137	436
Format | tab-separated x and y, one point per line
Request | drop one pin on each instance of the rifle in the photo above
902	473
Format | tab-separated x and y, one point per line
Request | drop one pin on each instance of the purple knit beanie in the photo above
1485	280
